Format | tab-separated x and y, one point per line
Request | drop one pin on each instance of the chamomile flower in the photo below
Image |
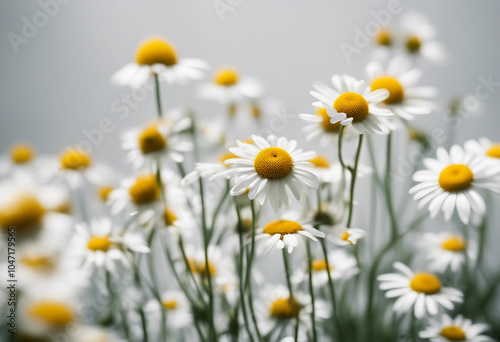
320	126
157	56
277	307
451	181
343	236
210	171
484	147
419	38
76	165
421	291
341	265
176	307
158	141
229	88
98	245
22	163
270	167
219	266
405	99
447	250
283	233
455	329
352	103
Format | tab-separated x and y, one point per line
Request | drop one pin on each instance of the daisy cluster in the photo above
219	234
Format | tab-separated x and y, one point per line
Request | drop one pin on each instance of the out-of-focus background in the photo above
57	57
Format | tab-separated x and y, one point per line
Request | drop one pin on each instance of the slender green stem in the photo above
158	97
388	189
144	325
354	173
287	272
311	291
248	277
189	271
344	167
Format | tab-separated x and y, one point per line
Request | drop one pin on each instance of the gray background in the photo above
57	85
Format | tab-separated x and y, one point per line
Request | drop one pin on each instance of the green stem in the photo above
388	190
311	291
158	98
354	173
252	249
144	325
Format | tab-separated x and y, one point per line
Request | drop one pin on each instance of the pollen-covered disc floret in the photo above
448	329
156	51
421	291
285	308
451	181
144	190
352	103
271	169
283	233
22	153
23	212
399	77
226	76
75	159
273	163
151	140
52	313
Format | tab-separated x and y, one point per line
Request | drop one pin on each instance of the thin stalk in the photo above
290	289
158	98
252	249
188	267
388	190
354	172
311	291
144	325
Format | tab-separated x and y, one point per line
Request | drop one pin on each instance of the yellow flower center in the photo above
38	262
170	304
353	105
453	333
413	44
226	77
384	38
144	190
226	156
52	313
282	227
151	140
319	265
456	177
425	283
23	212
156	51
320	161
75	159
494	151
285	308
396	91
200	267
273	163
256	111
326	124
99	243
103	192
22	153
169	217
454	244
345	236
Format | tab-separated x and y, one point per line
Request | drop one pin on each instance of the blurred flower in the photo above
229	88
268	168
176	307
451	181
284	233
156	56
420	291
484	148
447	249
457	329
157	142
352	104
405	100
321	126
343	236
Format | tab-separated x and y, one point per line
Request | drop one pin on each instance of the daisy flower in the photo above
455	329
343	236
219	266
341	266
29	210
284	233
419	38
268	168
158	141
451	181
276	307
176	306
352	103
447	250
209	170
321	127
76	165
97	245
405	100
229	88
484	148
22	163
422	291
157	56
